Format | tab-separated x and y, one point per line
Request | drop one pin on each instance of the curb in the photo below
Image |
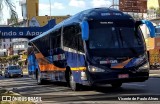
154	75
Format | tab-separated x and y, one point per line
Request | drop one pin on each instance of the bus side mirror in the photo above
85	30
150	26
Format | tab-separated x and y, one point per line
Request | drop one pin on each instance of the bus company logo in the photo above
109	62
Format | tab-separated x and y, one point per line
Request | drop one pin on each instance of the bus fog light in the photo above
83	76
95	69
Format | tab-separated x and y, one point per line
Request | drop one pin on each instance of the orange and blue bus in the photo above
95	46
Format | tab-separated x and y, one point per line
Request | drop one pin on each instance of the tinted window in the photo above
72	38
112	34
13	67
55	39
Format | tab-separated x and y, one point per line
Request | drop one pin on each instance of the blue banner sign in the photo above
25	32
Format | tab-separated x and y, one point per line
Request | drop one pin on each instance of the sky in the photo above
61	7
65	7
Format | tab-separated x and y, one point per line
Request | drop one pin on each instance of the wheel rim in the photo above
72	82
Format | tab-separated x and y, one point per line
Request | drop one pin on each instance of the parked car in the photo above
13	71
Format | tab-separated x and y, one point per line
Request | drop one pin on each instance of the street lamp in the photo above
50	8
114	3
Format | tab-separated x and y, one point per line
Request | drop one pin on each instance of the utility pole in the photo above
50	8
113	3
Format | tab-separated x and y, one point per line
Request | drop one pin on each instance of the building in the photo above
30	12
19	45
153	6
5	44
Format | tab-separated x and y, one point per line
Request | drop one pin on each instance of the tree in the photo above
158	11
152	8
11	7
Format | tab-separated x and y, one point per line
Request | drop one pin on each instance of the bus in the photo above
93	47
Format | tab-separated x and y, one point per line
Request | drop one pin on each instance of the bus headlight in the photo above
144	67
95	69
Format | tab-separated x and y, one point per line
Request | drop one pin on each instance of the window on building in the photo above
4	46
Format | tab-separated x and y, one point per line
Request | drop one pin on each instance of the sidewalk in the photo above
155	73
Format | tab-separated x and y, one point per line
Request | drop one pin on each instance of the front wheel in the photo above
116	85
74	86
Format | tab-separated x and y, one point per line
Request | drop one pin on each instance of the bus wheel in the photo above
74	86
116	85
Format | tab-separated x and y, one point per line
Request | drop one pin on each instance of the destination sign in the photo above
137	6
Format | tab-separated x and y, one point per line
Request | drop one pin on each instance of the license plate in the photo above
123	76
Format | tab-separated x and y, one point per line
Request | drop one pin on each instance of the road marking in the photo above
81	97
154	75
135	85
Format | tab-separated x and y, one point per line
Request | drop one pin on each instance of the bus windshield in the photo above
111	36
115	36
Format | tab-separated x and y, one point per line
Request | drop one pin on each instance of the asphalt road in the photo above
59	93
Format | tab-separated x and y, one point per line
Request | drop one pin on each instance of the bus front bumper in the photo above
109	78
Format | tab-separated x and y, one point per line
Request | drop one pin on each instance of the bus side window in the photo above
55	40
79	43
72	39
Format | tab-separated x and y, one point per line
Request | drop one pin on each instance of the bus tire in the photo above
73	85
116	85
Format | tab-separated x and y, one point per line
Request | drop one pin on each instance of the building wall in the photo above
153	3
19	44
43	20
32	8
32	12
5	44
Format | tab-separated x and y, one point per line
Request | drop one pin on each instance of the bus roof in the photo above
94	13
